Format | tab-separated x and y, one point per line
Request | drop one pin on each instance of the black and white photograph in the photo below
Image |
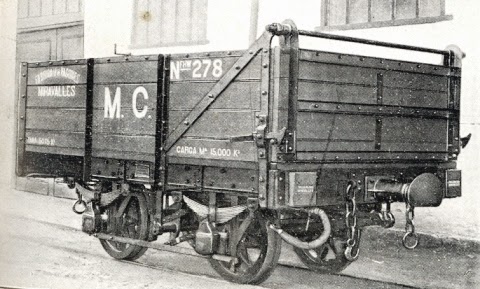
239	144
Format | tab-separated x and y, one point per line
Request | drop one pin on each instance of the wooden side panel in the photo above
232	114
124	109
356	108
55	108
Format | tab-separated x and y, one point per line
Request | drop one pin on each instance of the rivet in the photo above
399	63
359	158
50	63
315	105
207	54
186	122
280	197
264	92
237	67
63	62
290	148
21	117
253	189
23	95
251	52
280	179
261	179
108	60
336	157
210	95
37	63
187	55
21	138
338	106
265	65
76	61
418	65
24	64
359	108
229	53
382	61
265	50
126	58
24	75
361	58
339	57
261	154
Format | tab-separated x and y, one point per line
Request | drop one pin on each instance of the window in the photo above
45	14
360	14
169	23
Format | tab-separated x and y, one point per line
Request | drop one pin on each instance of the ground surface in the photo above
41	246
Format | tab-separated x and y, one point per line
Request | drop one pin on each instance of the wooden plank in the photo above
337	145
128	123
185	95
209	149
410	134
73	96
55	139
140	94
415	81
372	62
123	146
72	120
198	68
337	73
56	150
414	98
217	123
322	126
332	92
125	72
57	75
336	157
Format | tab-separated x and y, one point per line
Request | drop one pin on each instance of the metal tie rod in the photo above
371	42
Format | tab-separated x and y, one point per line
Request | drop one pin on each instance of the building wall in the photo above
8	24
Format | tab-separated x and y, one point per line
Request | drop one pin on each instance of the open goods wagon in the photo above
235	151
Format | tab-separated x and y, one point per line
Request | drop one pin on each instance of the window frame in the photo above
138	45
324	26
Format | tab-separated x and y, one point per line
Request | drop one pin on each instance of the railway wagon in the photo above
235	151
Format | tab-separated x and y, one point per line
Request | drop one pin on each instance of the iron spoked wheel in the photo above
257	254
326	259
133	223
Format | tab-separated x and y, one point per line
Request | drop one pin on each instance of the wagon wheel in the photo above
133	223
257	253
326	259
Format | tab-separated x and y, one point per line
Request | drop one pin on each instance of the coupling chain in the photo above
410	239
351	222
